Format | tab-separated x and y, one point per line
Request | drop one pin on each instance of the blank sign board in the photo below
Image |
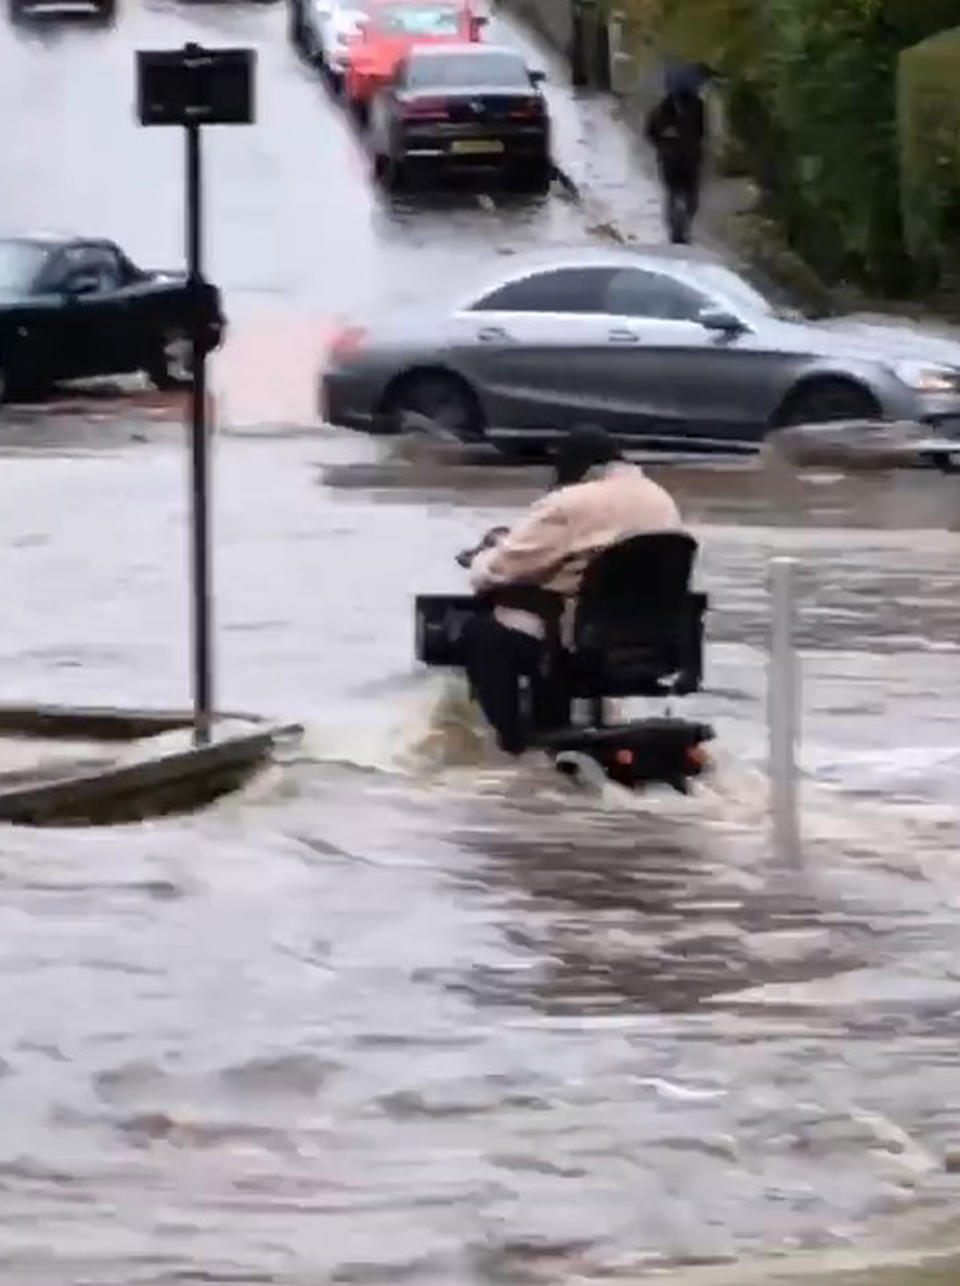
194	86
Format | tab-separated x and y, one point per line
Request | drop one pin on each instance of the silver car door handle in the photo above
489	333
623	337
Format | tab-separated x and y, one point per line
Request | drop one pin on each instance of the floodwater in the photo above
402	1012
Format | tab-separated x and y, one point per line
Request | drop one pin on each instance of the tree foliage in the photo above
813	94
929	128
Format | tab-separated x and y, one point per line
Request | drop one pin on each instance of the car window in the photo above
97	261
637	293
562	290
752	290
419	20
467	70
20	264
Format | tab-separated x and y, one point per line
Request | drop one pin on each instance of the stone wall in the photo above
553	19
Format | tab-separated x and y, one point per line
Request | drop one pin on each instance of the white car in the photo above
330	28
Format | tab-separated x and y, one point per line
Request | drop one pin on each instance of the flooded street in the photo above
402	1012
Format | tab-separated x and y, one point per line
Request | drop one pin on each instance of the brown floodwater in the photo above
401	1011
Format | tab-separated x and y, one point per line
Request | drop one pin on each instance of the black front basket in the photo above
440	620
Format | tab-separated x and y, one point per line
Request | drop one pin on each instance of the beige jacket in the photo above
552	545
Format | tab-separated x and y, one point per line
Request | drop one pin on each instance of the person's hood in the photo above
611	469
685	78
598	472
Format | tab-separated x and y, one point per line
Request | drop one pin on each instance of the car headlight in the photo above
924	377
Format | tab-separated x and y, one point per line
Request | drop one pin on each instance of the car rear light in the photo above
427	109
528	109
346	340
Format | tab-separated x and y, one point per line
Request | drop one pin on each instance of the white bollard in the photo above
783	706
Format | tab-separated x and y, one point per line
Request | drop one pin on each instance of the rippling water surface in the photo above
404	1012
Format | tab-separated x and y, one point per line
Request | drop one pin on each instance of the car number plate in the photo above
477	147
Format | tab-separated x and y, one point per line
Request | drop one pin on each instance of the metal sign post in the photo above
191	87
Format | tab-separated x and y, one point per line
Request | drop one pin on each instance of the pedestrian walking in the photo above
677	129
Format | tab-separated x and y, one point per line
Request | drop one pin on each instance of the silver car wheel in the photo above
830	399
443	400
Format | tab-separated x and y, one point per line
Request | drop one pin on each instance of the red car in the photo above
393	28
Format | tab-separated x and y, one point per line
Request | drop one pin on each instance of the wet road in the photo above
298	238
402	1013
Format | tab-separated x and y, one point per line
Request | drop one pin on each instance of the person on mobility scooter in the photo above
585	598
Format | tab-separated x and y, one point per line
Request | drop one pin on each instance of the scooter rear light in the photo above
346	341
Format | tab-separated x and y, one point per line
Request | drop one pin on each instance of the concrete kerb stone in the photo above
159	780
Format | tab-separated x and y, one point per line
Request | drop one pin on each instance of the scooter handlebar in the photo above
494	535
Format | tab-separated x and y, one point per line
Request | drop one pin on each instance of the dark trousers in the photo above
681	192
505	670
682	204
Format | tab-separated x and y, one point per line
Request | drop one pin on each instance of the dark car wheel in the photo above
309	48
444	400
172	366
391	174
533	177
519	452
827	400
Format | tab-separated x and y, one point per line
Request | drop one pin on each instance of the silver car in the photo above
673	349
329	29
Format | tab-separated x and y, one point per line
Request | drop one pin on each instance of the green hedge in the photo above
826	78
720	32
813	96
929	135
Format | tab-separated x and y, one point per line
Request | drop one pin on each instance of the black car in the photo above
72	307
463	106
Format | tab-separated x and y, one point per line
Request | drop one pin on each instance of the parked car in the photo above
672	349
75	307
329	28
462	106
391	30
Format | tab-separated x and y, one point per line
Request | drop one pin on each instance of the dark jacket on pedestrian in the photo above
677	129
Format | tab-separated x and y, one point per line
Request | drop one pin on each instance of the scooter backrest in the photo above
636	588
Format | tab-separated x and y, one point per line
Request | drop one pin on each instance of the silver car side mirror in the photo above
719	320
